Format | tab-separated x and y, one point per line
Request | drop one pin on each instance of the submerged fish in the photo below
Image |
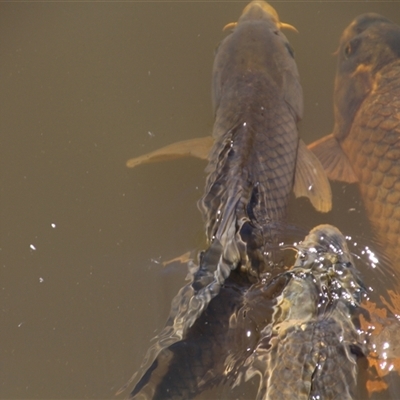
365	144
311	348
257	158
300	332
257	101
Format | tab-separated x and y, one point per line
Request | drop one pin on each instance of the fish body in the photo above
310	349
213	350
257	158
365	144
257	102
252	162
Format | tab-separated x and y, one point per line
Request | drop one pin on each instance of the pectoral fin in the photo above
183	259
199	147
311	181
333	159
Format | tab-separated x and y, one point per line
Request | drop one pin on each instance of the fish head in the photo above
257	45
325	255
368	44
263	11
325	240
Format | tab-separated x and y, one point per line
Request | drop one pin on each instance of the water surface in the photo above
85	86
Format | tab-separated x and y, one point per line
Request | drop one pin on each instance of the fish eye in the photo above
347	50
351	47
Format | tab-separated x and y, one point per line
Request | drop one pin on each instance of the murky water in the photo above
84	87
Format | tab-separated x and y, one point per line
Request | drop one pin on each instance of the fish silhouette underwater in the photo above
314	345
256	159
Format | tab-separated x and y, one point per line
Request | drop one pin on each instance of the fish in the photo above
257	158
327	339
212	351
313	346
306	333
364	147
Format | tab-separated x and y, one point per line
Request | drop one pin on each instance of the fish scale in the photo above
295	374
262	153
379	184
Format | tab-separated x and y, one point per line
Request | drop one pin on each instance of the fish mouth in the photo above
261	10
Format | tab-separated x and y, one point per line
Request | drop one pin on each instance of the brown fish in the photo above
257	158
312	347
257	100
365	144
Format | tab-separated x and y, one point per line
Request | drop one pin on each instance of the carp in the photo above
365	144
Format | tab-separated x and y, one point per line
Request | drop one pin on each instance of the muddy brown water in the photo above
84	87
